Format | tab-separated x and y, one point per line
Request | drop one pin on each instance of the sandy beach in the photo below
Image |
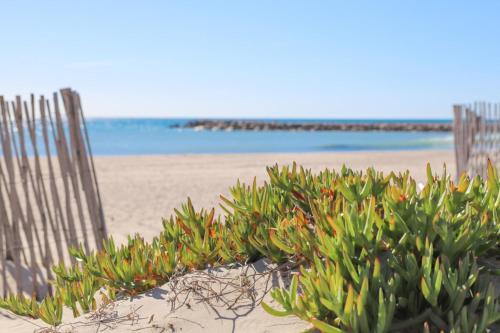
250	166
138	191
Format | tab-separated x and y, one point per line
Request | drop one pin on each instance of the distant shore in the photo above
252	125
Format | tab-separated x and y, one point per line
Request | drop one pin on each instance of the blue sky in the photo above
292	59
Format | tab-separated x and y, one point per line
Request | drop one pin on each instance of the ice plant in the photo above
395	259
375	253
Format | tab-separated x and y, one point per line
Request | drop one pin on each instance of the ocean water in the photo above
155	136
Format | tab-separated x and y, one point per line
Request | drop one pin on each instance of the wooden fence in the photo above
49	194
477	137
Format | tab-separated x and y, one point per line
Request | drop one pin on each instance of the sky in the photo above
255	59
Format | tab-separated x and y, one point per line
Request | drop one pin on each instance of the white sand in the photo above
138	191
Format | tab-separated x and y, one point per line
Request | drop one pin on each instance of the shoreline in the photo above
316	152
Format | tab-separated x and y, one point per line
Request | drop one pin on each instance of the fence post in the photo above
476	131
32	216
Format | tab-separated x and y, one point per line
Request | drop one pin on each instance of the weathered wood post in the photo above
38	200
476	131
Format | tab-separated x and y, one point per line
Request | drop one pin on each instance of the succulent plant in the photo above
387	252
376	254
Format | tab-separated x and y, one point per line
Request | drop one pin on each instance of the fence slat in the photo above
476	135
39	196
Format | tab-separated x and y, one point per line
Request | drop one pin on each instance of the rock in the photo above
252	125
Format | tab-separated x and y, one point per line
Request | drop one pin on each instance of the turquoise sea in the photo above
155	136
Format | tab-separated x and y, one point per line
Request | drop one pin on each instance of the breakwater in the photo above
254	125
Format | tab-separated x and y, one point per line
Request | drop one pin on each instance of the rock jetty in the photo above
253	125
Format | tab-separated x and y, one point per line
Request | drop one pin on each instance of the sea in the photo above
141	136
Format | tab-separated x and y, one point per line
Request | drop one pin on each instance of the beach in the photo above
138	191
251	166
